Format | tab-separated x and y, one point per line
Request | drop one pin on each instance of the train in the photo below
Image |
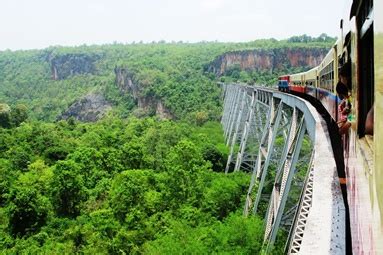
359	51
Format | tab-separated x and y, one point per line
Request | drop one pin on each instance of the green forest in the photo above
131	182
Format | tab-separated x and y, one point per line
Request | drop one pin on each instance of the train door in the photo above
354	60
344	63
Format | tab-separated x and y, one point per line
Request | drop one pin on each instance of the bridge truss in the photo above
282	142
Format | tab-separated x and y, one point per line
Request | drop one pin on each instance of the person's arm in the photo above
346	109
342	105
369	125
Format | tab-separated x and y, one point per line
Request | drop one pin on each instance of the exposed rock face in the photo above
162	111
90	108
268	60
63	66
126	82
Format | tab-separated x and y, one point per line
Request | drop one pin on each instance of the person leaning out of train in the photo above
344	108
345	75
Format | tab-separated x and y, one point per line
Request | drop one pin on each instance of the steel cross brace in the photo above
246	132
229	105
233	115
279	199
238	123
295	238
264	152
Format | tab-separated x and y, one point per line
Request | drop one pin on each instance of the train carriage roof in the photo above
296	76
312	73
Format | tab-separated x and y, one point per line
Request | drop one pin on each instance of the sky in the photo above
36	24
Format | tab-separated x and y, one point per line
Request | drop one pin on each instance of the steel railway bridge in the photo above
283	142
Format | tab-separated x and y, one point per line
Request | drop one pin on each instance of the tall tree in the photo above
5	116
67	188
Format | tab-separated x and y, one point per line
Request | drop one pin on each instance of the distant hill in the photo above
170	80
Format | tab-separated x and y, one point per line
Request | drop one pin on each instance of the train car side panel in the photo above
362	151
296	83
311	82
377	183
326	92
283	83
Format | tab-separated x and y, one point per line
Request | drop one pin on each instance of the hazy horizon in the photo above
40	24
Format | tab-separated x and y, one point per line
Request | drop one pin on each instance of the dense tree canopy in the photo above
132	189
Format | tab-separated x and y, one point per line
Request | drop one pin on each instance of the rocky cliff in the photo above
90	108
127	83
267	60
63	66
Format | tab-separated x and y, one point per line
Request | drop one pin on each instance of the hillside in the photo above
173	81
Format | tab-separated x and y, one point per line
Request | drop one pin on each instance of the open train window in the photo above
365	65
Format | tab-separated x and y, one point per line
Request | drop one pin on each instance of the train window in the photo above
327	76
365	89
